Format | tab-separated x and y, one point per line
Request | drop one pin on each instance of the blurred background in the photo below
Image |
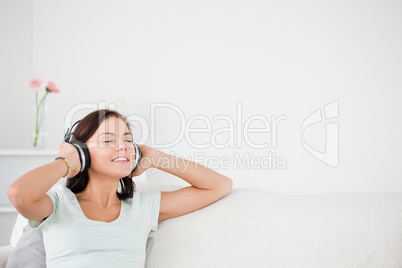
328	73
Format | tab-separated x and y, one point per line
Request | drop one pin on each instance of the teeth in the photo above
120	159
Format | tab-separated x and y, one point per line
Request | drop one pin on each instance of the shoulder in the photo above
59	187
60	192
146	199
148	196
57	190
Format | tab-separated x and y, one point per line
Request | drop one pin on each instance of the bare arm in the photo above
195	174
207	187
28	192
31	186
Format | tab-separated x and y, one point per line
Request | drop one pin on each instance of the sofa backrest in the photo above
258	228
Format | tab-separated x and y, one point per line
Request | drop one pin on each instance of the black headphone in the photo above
84	152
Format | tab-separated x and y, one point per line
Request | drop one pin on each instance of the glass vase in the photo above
39	128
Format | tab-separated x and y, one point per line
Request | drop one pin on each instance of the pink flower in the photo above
36	83
52	87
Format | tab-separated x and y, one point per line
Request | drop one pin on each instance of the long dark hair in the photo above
82	132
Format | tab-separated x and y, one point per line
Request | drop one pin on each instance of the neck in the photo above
101	191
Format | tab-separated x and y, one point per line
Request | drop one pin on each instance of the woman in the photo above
98	219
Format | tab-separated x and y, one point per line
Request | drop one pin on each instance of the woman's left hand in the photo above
145	161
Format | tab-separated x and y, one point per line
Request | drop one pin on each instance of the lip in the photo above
120	160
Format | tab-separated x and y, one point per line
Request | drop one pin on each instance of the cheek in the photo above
100	158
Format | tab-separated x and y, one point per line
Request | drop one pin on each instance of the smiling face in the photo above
111	141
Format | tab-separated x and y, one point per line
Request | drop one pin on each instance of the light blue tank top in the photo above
73	240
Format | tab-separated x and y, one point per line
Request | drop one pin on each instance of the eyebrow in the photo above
110	133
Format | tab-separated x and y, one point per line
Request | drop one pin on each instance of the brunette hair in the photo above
82	132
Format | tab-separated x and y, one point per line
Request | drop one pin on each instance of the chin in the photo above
123	175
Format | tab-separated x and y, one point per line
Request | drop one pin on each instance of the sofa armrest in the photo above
4	253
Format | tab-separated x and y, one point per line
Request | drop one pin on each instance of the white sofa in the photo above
259	228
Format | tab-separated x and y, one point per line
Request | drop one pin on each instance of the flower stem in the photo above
40	104
38	124
36	121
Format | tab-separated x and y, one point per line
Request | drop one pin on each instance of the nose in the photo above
121	145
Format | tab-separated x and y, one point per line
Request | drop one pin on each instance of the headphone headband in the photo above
67	136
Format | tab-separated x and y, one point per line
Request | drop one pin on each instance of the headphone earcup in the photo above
83	151
81	147
137	156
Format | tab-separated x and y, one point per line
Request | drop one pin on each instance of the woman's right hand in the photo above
68	151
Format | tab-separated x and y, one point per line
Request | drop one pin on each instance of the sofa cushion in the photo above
29	251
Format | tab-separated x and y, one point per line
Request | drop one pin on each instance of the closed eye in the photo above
126	140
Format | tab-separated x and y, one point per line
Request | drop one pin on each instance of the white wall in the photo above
277	58
15	66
